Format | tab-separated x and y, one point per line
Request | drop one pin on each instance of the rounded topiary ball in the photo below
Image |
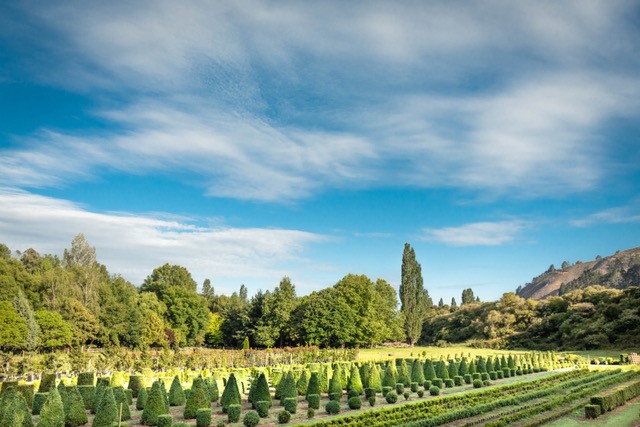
355	402
391	397
477	383
332	407
251	419
284	416
434	390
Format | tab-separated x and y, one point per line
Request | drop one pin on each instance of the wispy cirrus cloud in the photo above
477	234
133	245
618	215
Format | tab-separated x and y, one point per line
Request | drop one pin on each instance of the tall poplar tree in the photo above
414	298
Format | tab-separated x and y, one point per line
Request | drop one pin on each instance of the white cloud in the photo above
477	234
133	245
620	215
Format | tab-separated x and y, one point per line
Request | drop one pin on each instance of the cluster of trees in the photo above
591	318
48	303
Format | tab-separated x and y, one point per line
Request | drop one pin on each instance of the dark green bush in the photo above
476	376
386	389
231	394
198	398
434	390
284	417
262	393
314	385
477	383
457	380
484	376
6	385
592	411
38	402
414	386
291	404
154	405
335	396
332	407
135	384
448	383
506	372
141	399
355	402
233	412
311	413
86	378
493	375
262	407
438	382
165	420
406	395
486	383
427	384
368	392
372	400
500	375
176	393
203	417
87	392
399	388
75	411
121	400
314	401
468	378
14	411
47	383
107	412
391	397
251	419
420	393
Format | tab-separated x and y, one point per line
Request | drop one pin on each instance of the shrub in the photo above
107	413
86	378
121	399
391	397
506	372
154	405
438	382
197	399
141	399
165	420
97	396
368	392
262	407
414	386
500	375
52	413
291	404
75	412
251	419
314	385
203	417
486	383
135	384
434	390
448	383
467	378
231	394
284	417
493	375
476	376
477	383
399	388
427	384
386	390
484	376
47	383
38	402
87	392
214	393
314	401
332	407
287	388
355	402
14	411
352	393
420	393
372	400
592	411
233	412
176	394
335	385
354	385
406	395
302	383
457	380
311	413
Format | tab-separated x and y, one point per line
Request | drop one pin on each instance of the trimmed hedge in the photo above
391	397
618	397
107	412
38	402
291	404
284	417
154	405
52	413
233	412
262	407
355	402
165	420
197	399
121	400
251	419
176	393
231	394
47	383
434	390
314	401
592	411
332	407
141	400
75	411
135	384
203	417
86	378
477	383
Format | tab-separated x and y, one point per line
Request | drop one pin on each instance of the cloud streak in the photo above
477	234
133	245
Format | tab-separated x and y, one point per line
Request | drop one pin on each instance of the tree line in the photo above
49	303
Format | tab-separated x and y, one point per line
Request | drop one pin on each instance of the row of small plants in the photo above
612	399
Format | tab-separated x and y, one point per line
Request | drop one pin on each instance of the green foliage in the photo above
391	397
414	298
86	378
231	394
389	378
355	383
417	372
288	387
284	417
47	383
97	396
75	411
52	413
335	385
14	410
251	419
154	405
434	390
107	411
176	394
291	404
135	384
429	370
141	400
165	420
355	402
55	332
233	412
611	399
121	402
245	344
477	383
371	400
302	383
38	402
314	385
592	411
262	407
332	407
403	373
314	401
198	399
262	393
203	417
14	331
399	388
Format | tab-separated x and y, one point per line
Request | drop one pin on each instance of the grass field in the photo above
383	353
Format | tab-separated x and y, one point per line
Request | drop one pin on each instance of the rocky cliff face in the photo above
619	270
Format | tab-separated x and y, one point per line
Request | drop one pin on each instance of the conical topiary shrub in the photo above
122	403
141	399
14	410
52	413
374	379
153	406
314	385
231	394
97	397
288	388
302	383
198	399
214	393
355	382
135	384
262	393
47	383
75	411
176	394
106	413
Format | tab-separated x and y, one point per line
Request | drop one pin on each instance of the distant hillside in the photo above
619	271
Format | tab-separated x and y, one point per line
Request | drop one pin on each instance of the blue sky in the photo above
251	140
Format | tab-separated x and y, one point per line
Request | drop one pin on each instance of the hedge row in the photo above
618	397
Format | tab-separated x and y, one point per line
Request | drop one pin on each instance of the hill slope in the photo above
619	270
